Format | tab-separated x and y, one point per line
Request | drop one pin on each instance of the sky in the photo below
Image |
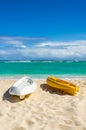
42	29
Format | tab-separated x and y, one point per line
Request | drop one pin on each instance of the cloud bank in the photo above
25	48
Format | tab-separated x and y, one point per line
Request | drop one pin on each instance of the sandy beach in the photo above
45	109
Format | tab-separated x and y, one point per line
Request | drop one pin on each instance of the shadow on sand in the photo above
13	99
52	90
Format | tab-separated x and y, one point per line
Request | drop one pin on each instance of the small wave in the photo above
71	61
48	61
15	61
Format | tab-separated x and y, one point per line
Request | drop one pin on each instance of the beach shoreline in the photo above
45	109
8	77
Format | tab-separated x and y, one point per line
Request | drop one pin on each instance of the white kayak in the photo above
23	87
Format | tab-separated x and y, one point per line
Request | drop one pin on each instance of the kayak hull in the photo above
62	85
23	87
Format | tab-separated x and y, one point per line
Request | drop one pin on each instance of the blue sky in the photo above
43	29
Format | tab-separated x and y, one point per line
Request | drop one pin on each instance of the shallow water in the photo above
42	69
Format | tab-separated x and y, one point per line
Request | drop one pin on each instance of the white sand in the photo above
45	109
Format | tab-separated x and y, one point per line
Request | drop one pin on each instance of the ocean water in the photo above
42	69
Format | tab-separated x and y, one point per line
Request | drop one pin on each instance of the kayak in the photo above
62	85
23	87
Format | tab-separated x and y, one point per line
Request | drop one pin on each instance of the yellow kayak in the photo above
62	85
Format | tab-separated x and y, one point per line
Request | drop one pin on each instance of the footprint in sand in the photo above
30	122
1	114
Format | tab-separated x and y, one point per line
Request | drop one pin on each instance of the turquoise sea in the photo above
42	69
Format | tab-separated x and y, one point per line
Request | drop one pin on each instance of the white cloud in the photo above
50	50
58	43
12	41
2	52
72	50
18	41
30	38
